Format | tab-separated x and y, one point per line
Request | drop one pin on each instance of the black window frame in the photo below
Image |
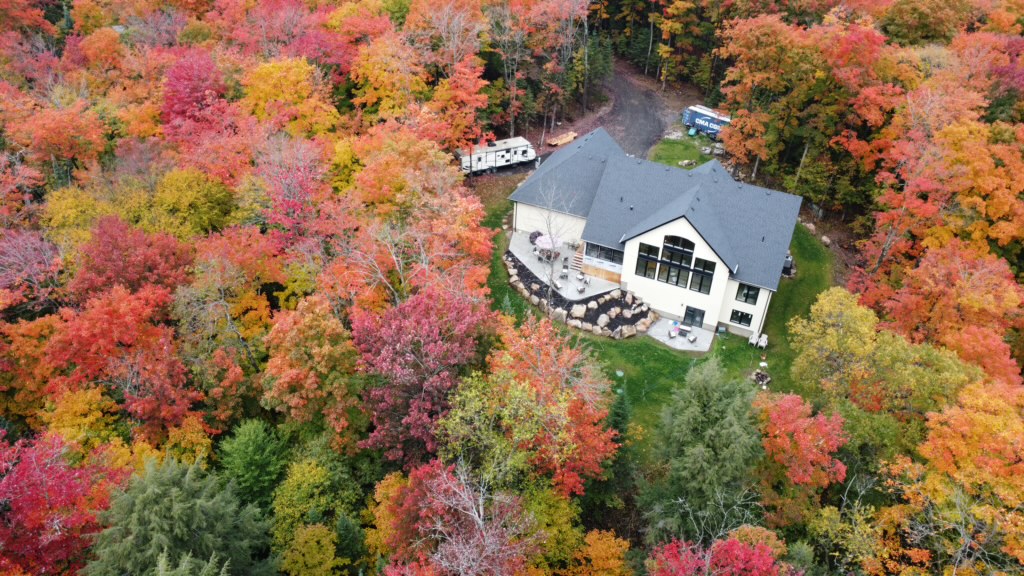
689	319
703	275
733	318
743	294
602	253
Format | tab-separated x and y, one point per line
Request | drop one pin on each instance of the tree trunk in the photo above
757	162
650	44
586	63
800	168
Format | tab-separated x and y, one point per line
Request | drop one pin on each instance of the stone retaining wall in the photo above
617	314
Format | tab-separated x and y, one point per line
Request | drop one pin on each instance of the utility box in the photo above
705	120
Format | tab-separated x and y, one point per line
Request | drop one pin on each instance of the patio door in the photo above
693	317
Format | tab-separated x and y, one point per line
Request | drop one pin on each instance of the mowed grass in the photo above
672	152
814	265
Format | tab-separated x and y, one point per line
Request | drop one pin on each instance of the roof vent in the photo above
630	206
638	162
622	198
767	192
762	238
715	180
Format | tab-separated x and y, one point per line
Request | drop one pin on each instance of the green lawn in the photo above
814	264
672	152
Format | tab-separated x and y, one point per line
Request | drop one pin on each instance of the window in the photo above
647	261
693	317
748	294
603	253
676	257
673	275
678	251
646	268
703	272
741	318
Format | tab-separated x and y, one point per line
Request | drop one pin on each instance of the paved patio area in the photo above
520	246
660	332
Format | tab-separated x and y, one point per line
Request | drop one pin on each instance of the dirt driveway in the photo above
638	111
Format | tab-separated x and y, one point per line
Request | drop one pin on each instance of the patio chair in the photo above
581	289
762	342
752	340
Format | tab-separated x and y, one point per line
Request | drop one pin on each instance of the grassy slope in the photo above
650	370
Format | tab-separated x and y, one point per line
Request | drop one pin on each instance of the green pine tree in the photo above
709	443
254	457
177	511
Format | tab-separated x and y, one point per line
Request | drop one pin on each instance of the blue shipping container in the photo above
705	120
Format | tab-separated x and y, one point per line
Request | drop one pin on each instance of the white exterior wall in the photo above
668	300
671	301
757	310
567	227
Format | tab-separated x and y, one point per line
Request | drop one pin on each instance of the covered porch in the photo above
571	284
678	337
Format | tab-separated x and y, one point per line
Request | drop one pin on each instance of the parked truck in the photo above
497	154
705	120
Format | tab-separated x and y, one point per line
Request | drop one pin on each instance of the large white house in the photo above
696	245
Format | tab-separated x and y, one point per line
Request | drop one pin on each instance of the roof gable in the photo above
568	180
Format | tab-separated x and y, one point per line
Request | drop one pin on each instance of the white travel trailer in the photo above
496	154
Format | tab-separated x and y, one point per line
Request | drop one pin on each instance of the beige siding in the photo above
565	226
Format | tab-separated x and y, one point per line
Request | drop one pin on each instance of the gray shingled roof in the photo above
568	180
748	227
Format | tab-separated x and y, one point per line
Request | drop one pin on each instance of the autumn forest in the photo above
248	325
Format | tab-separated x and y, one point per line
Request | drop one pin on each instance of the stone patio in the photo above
660	330
520	246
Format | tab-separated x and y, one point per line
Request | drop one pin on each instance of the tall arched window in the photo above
676	259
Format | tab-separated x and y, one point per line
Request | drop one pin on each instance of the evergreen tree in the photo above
254	457
176	511
709	444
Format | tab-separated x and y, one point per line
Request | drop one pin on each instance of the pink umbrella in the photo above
546	242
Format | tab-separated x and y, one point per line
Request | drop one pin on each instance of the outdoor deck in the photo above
660	330
520	246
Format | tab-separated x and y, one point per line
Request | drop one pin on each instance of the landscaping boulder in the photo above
616	294
627	314
811	228
578	311
614	312
826	241
534	287
597	330
586	326
628	330
617	333
629	298
534	300
603	320
561	315
592	305
606	332
574	323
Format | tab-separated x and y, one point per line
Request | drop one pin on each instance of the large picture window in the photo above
604	253
673	275
647	261
676	258
693	317
741	318
703	272
748	294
